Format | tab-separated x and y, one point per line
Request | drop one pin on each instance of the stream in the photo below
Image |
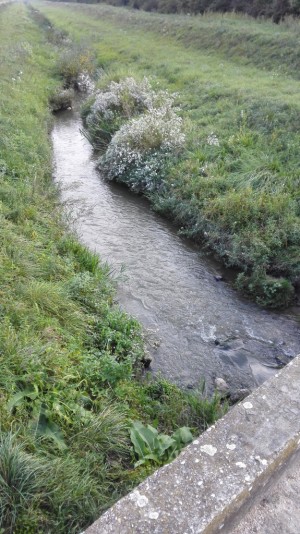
196	327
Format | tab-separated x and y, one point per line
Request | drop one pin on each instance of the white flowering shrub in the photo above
114	105
119	102
141	150
213	140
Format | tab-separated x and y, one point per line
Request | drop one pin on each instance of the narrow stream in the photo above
197	327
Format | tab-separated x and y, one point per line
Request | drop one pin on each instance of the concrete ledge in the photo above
202	490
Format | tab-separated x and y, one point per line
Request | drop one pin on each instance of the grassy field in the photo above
237	79
71	379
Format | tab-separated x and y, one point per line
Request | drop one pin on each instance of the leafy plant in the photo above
61	99
151	446
113	105
140	151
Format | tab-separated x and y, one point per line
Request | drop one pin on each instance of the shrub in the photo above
61	99
73	62
140	130
268	291
139	152
118	102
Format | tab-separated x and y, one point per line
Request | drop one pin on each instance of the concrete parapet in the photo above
220	472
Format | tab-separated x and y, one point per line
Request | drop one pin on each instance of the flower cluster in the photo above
123	99
139	152
85	83
118	103
212	140
139	130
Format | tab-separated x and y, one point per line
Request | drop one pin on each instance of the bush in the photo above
73	62
268	291
117	103
139	152
61	99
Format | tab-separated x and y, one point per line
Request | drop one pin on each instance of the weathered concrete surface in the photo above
277	509
221	471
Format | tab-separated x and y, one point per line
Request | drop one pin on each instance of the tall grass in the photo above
20	480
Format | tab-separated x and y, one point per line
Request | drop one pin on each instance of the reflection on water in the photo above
200	327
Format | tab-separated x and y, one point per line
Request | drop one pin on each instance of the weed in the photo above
73	62
150	446
148	133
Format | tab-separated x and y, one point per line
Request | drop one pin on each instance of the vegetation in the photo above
71	379
276	9
236	184
138	130
150	446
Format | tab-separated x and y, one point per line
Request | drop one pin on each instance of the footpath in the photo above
241	476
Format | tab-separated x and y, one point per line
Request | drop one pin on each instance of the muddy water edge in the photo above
197	327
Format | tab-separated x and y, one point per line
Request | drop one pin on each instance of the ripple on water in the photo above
202	327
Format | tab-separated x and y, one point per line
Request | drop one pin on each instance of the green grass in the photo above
237	78
71	377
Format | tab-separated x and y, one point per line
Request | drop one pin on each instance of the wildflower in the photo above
121	101
141	129
212	140
139	152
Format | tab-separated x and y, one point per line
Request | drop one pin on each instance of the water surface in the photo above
196	327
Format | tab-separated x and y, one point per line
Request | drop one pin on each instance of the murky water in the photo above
197	327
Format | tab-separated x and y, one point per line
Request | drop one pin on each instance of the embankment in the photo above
236	186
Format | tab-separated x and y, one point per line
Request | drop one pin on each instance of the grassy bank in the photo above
276	10
71	379
240	193
229	36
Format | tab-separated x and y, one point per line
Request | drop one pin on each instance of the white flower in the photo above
139	152
212	140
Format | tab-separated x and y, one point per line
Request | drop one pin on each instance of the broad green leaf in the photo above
150	445
139	462
138	443
147	433
48	429
165	442
18	398
147	457
183	435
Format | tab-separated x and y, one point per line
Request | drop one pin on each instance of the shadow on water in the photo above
196	327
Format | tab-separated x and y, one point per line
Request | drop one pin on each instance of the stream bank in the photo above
198	328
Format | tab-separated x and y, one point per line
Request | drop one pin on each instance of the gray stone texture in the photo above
276	509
